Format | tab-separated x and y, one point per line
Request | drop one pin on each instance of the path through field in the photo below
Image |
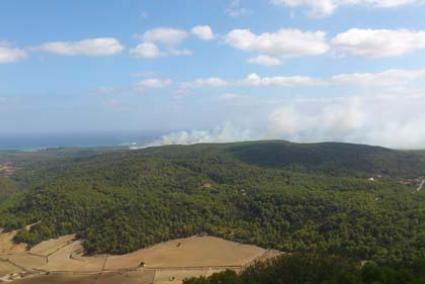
421	185
61	261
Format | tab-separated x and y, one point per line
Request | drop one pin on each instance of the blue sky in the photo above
216	70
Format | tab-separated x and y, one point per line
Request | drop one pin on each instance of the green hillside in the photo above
312	268
292	197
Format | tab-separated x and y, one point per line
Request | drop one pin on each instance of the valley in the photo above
163	214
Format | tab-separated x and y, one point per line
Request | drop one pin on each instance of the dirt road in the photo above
421	185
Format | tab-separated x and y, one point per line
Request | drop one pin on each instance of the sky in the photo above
216	70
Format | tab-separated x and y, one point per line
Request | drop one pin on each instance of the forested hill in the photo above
334	158
292	197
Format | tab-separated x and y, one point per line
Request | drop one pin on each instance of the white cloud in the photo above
318	8
10	54
161	42
167	36
154	83
203	32
265	60
207	82
282	43
393	77
254	80
145	50
379	43
87	47
388	78
150	50
235	9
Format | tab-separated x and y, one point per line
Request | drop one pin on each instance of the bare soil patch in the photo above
47	248
7	246
7	268
194	252
65	259
62	260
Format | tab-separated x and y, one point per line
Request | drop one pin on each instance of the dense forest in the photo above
320	269
341	199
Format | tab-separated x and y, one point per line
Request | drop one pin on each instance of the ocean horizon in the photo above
40	141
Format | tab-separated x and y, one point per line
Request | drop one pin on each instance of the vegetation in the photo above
320	269
292	197
8	188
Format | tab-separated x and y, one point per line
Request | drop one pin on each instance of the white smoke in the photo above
221	134
395	121
390	121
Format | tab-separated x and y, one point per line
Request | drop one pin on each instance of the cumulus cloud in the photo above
87	47
155	83
161	42
254	80
379	43
265	60
203	32
152	83
282	43
315	8
392	77
319	8
387	78
9	54
206	82
145	50
236	10
168	36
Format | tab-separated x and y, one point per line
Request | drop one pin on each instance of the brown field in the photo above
7	246
6	268
59	278
62	261
132	277
190	252
136	277
27	261
47	248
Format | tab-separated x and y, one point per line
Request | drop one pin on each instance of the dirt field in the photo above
47	248
27	261
7	246
190	252
6	268
62	261
105	278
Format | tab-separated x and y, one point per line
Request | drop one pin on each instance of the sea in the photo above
41	141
